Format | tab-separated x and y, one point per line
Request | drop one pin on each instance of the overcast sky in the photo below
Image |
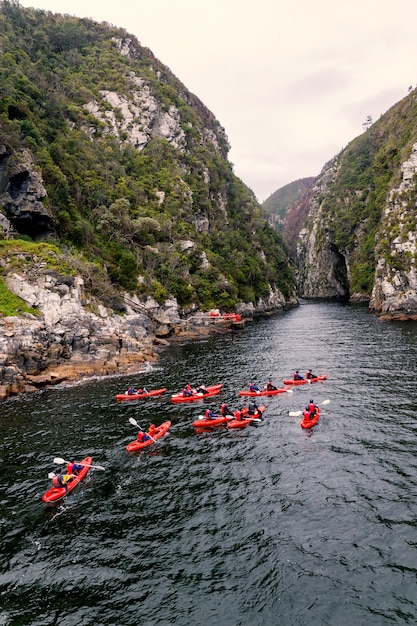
291	81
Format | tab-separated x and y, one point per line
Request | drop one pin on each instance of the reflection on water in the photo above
270	525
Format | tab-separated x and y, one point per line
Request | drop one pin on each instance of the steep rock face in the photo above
21	195
322	268
394	295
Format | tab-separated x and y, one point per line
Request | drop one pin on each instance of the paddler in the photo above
60	479
187	391
224	409
297	375
312	409
152	430
210	415
142	436
73	468
310	375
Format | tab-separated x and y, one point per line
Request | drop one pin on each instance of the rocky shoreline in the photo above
74	337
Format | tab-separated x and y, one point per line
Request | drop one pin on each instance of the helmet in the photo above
72	459
311	401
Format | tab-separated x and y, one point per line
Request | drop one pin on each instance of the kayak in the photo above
308	423
244	422
263	392
305	381
139	396
212	391
54	494
160	432
209	423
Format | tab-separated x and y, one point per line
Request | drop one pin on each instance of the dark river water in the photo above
267	526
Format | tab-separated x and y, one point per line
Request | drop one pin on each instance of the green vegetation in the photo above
122	214
10	304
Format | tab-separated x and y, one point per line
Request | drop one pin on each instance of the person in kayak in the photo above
312	409
252	408
60	480
253	387
202	389
152	430
269	386
224	409
73	468
187	391
310	375
297	375
142	436
238	415
210	415
131	391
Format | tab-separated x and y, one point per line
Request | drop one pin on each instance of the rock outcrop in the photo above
394	295
72	338
21	195
322	267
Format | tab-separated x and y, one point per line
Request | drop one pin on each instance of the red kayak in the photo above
307	422
305	381
139	396
54	494
263	392
214	390
209	423
160	432
244	422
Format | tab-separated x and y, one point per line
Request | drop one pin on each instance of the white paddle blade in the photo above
295	413
59	461
51	475
326	402
133	421
289	390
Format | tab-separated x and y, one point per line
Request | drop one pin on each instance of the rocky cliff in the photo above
358	239
121	176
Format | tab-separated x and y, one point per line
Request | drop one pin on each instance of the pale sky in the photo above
291	81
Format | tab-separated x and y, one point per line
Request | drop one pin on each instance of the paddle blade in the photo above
59	461
51	475
295	413
289	391
134	422
326	402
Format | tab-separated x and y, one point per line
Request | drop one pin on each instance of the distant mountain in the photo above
286	209
278	203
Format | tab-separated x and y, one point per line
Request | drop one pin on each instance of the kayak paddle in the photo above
134	422
62	461
297	413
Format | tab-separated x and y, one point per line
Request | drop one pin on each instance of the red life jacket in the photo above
207	413
312	408
55	482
